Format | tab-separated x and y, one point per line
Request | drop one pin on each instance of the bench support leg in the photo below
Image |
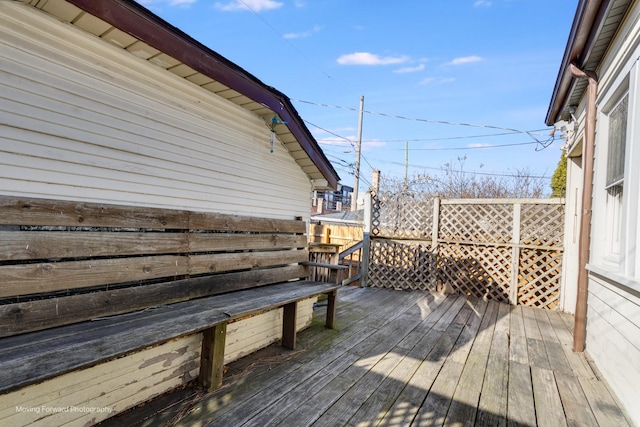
331	309
289	326
212	356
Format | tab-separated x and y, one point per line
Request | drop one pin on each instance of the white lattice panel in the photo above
481	271
542	225
403	216
484	223
539	278
401	265
475	248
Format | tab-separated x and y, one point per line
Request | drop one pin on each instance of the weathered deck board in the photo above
518	338
549	411
407	358
492	408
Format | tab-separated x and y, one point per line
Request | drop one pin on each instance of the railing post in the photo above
366	240
515	255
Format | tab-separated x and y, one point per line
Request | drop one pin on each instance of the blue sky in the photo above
426	68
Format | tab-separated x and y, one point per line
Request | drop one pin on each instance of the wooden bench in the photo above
83	283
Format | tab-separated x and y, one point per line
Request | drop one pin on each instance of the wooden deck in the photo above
406	358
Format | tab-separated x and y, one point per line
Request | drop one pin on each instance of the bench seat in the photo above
29	358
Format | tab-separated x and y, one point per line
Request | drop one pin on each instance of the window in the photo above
617	143
617	139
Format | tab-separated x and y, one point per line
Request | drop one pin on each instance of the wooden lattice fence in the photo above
508	250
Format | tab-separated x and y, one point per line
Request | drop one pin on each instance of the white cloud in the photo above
253	5
366	58
372	144
465	60
482	3
348	142
405	70
303	34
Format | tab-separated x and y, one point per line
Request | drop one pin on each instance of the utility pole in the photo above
354	198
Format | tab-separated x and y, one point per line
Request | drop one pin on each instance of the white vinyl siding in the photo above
84	120
613	339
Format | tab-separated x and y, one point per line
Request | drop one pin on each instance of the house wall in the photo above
613	315
572	218
85	120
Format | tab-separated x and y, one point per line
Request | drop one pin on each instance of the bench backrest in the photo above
63	262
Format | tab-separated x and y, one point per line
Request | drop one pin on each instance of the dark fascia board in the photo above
586	22
139	22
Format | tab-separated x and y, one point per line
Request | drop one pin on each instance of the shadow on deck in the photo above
406	358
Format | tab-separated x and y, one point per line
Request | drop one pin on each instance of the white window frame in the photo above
614	191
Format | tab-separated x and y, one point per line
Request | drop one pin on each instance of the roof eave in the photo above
140	23
589	15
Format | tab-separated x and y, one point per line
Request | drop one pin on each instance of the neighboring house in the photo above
103	101
350	218
332	201
596	101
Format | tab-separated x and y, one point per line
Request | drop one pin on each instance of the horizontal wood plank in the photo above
49	313
26	279
40	245
29	211
213	263
214	221
203	242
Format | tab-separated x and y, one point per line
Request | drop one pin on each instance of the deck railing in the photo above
352	258
328	253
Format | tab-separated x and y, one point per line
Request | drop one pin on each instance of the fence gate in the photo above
508	250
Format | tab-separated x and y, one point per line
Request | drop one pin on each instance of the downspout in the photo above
580	323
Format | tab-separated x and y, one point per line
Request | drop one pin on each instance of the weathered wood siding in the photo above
85	120
77	398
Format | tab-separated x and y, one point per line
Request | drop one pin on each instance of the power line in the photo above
469	148
353	145
450	138
515	144
287	41
531	134
505	174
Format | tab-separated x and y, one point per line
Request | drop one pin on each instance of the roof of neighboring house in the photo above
129	25
350	217
594	26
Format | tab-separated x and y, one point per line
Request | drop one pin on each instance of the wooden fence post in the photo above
434	243
515	255
436	223
366	239
326	238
